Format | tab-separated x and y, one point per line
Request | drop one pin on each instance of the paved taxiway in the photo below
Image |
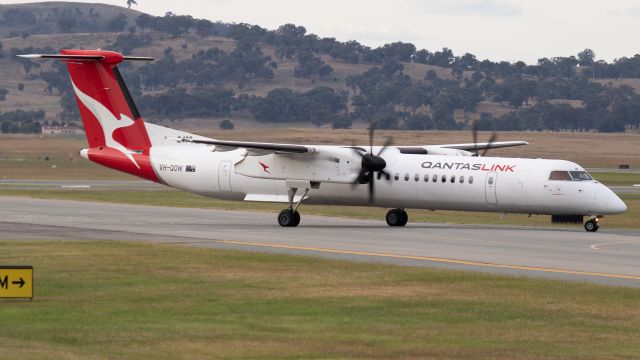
609	257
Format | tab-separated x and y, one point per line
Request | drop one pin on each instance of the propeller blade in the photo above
386	175
492	139
356	181
371	187
355	147
388	142
372	130
474	133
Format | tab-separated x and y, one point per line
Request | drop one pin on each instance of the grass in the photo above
628	220
130	300
617	179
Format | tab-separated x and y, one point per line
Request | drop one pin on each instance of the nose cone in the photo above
607	202
615	205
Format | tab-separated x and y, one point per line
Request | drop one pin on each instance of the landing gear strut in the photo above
397	217
290	217
592	225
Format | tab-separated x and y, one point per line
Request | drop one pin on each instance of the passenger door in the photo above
490	187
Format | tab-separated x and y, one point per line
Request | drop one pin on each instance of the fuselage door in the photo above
224	176
490	187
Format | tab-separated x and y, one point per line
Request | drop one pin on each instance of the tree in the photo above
117	23
431	75
203	28
586	57
131	2
226	124
145	21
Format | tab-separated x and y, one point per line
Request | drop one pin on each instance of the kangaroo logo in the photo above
264	167
108	122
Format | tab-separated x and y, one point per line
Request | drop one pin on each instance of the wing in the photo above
259	146
483	146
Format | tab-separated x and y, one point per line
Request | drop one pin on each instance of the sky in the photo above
509	30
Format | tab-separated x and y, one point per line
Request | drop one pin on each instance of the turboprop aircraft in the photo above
437	177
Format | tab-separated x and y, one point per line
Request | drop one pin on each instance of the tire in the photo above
396	217
286	218
296	219
591	226
404	218
393	217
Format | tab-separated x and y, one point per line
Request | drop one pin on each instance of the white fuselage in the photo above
438	182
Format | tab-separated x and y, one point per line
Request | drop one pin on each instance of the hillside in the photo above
256	76
60	17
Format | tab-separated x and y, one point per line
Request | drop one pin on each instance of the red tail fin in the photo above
116	133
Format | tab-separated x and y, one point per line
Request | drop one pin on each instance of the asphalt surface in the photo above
606	257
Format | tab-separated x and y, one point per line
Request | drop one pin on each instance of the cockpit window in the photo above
580	176
560	175
570	176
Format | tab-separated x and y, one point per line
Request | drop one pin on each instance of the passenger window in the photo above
396	176
406	177
560	175
435	178
453	179
470	179
490	180
416	178
462	179
388	177
444	178
426	178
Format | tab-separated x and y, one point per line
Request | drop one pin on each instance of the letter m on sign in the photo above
4	283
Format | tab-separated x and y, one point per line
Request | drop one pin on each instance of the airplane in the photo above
435	177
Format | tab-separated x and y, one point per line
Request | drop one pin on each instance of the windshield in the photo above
580	176
570	175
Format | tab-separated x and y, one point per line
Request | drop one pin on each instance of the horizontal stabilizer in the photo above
80	57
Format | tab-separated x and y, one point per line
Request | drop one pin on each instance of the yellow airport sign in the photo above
16	282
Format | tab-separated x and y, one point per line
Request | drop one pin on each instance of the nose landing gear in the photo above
592	225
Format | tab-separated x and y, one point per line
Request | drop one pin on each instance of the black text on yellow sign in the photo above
16	282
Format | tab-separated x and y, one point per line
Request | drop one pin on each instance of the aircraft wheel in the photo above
405	218
288	218
397	217
591	225
296	216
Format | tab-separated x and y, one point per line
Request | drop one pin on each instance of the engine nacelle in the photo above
327	165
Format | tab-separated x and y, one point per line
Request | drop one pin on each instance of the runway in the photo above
605	257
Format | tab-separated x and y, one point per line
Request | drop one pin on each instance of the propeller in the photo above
372	163
474	133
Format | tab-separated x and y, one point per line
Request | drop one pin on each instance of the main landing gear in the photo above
592	225
290	217
397	217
